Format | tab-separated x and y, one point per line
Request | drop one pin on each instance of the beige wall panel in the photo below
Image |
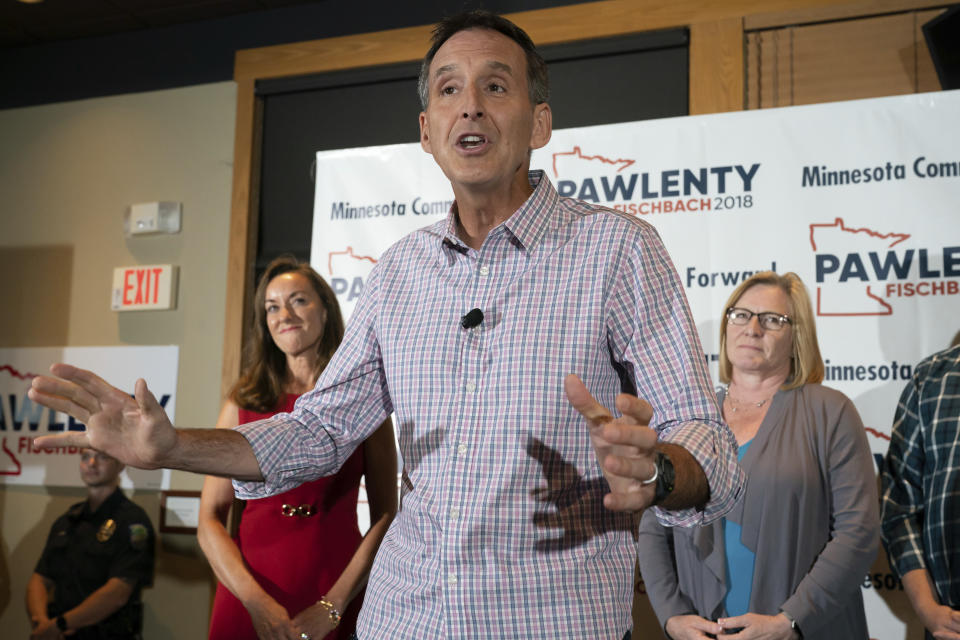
34	277
67	172
844	60
854	59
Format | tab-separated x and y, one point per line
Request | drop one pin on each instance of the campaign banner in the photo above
22	420
859	198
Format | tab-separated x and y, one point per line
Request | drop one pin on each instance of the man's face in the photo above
479	123
98	469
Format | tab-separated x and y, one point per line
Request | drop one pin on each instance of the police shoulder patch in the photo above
138	536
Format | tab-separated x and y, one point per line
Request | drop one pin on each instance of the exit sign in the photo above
143	288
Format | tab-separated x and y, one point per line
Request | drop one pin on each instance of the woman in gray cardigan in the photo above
789	560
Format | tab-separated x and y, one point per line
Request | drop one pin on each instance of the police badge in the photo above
106	530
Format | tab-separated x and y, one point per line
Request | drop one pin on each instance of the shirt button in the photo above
471	386
484	270
462	448
454	513
452	578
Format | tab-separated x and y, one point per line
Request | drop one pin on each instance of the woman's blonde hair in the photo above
806	363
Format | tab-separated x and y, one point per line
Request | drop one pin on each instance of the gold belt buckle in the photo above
304	510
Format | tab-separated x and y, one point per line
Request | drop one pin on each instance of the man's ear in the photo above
542	125
424	132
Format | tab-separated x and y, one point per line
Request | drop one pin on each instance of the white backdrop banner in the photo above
21	420
861	199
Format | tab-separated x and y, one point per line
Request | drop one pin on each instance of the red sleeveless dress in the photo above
296	559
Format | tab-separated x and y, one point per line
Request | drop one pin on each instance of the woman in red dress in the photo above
298	564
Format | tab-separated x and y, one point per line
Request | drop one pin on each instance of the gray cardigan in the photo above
809	513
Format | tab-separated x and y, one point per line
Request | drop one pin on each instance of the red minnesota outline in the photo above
838	222
10	454
13	457
17	374
350	254
579	154
876	433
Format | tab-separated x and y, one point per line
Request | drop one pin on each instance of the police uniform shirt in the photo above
85	549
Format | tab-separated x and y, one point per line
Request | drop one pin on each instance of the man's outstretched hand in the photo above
625	446
135	430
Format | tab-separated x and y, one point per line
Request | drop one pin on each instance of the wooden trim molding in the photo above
716	66
607	18
243	224
834	11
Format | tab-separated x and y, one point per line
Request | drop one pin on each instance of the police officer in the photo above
97	558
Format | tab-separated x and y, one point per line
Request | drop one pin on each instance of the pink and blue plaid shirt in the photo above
502	531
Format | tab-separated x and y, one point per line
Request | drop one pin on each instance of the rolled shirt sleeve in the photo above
653	336
902	488
712	445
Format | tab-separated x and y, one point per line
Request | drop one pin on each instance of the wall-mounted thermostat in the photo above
151	217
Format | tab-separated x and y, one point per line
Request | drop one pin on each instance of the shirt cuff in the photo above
905	559
713	446
269	451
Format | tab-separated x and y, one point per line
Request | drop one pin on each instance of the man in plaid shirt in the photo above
920	503
521	484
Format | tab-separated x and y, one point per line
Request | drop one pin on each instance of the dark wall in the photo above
202	52
594	82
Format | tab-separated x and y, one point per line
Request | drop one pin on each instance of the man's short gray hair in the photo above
538	81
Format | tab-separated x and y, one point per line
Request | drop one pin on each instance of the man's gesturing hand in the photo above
624	446
136	430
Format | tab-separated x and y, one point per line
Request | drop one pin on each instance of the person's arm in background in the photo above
39	592
942	621
95	608
270	618
380	465
902	510
38	597
100	604
677	614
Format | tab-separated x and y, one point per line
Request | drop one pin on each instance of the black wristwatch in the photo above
61	623
665	477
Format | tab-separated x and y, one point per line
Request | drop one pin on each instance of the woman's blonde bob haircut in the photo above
806	363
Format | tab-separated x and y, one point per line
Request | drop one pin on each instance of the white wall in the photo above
67	172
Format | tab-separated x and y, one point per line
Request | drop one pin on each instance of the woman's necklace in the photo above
734	402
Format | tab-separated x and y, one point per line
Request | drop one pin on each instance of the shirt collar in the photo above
527	224
107	506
